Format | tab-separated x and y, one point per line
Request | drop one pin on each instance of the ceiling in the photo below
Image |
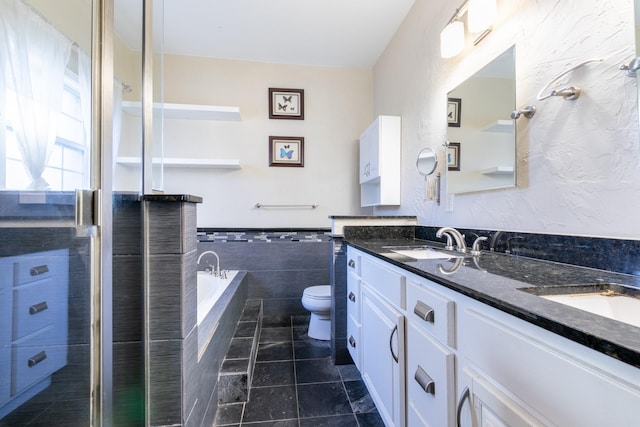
332	33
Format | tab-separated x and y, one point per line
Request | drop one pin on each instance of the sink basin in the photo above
617	302
422	252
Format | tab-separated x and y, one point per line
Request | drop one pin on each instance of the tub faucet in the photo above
210	268
461	245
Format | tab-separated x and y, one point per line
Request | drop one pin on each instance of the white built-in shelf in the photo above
187	111
504	126
172	162
498	170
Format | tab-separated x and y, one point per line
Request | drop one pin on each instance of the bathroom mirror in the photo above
482	146
426	162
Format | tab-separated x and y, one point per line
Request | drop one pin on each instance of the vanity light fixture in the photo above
481	14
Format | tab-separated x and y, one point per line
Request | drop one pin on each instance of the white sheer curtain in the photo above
33	58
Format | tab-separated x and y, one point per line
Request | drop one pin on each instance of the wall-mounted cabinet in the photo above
380	146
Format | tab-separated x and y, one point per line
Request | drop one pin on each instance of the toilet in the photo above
317	300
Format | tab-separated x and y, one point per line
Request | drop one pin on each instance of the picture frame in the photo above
286	151
453	156
454	111
286	103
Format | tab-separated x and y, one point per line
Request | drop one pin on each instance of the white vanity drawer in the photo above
36	305
353	295
389	283
38	266
430	380
353	340
36	357
432	311
353	261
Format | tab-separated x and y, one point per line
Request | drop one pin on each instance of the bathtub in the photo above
210	288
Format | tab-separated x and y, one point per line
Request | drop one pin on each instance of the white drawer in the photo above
389	283
39	266
353	295
353	261
353	340
429	362
36	305
432	311
36	357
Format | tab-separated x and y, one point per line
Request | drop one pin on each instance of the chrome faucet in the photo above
461	245
210	269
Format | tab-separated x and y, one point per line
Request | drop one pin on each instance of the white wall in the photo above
338	106
579	162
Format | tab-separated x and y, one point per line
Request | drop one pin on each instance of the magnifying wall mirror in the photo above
481	154
427	162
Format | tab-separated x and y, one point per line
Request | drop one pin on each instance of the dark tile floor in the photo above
296	385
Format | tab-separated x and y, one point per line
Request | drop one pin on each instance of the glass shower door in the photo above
54	322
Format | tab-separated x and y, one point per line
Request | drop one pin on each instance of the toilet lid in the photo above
319	292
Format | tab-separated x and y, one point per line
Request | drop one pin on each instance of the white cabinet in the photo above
549	379
458	355
383	356
34	316
380	147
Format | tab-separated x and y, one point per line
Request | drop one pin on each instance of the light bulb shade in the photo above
481	15
452	39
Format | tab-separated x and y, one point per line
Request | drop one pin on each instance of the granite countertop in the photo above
496	279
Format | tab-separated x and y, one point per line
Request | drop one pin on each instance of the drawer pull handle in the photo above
352	297
34	360
425	312
37	308
352	341
425	381
352	263
395	329
465	395
41	269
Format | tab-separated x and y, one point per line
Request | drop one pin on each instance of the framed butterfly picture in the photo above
286	103
286	151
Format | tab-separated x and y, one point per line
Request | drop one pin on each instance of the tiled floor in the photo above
296	385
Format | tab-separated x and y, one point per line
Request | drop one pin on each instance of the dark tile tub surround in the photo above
280	263
497	278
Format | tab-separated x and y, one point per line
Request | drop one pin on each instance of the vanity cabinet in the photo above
34	302
457	355
380	147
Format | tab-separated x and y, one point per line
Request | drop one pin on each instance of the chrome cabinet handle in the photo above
34	360
425	381
352	263
37	308
391	343
41	269
352	341
463	397
425	312
352	297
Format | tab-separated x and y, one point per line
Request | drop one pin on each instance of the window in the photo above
68	164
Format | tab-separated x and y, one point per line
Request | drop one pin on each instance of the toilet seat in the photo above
322	292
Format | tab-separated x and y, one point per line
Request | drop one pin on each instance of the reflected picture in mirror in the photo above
487	132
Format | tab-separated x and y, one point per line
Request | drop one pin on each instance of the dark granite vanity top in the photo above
497	279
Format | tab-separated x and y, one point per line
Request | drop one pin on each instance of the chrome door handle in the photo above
425	312
352	341
395	329
352	297
463	397
425	381
352	263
